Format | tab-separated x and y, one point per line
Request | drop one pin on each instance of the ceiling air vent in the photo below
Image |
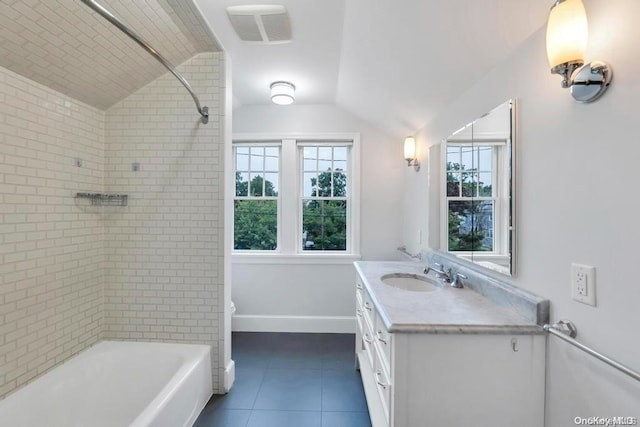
261	23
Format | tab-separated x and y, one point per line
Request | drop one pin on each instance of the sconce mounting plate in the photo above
590	81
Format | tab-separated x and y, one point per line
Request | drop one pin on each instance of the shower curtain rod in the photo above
204	111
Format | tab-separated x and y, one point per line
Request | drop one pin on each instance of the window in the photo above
296	195
256	197
324	197
472	196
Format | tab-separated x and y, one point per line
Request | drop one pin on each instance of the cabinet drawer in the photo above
384	341
360	318
359	291
369	347
383	384
369	311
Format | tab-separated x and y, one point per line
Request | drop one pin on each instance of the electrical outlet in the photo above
583	284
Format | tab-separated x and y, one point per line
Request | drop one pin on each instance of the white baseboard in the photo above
229	375
322	324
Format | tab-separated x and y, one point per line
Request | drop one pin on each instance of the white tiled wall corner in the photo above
163	279
72	274
51	248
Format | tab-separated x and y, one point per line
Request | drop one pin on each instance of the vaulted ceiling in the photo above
393	63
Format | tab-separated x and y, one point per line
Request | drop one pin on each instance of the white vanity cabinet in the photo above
423	379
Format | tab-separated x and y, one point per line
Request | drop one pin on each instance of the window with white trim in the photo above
474	201
325	197
257	178
295	196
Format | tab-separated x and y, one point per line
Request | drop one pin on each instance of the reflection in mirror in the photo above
477	220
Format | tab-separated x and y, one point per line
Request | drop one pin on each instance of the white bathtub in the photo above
114	384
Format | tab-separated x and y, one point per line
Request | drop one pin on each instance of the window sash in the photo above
302	197
261	238
474	216
496	190
251	174
328	213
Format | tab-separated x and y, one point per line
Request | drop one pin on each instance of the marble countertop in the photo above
446	310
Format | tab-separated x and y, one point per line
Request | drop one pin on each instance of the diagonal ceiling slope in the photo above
403	61
64	45
393	63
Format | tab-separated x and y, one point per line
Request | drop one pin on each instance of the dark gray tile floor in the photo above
290	380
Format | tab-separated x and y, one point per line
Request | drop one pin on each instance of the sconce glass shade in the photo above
282	93
410	153
409	148
567	33
567	37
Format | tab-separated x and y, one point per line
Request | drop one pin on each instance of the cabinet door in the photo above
458	380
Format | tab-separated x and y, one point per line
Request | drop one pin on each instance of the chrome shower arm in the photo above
204	111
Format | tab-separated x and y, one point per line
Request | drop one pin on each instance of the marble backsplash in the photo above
527	304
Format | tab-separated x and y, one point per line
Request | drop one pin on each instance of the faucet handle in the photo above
457	282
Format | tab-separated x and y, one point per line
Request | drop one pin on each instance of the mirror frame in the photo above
510	228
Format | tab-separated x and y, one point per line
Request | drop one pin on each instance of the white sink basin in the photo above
409	282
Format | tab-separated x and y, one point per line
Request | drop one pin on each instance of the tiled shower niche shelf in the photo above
104	199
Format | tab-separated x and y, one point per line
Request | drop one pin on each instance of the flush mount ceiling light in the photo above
282	93
567	35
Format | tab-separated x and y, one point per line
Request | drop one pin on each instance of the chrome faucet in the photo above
457	282
454	280
441	273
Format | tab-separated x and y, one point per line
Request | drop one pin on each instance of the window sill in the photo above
278	258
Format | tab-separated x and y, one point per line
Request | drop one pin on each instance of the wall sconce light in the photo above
410	153
567	36
282	93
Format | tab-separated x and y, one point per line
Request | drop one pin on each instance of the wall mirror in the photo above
477	204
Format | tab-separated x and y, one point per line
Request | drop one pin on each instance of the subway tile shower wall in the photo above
72	274
164	259
51	250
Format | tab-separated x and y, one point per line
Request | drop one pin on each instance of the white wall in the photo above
577	175
307	297
51	245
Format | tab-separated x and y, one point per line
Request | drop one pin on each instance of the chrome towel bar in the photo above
204	111
404	250
567	331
